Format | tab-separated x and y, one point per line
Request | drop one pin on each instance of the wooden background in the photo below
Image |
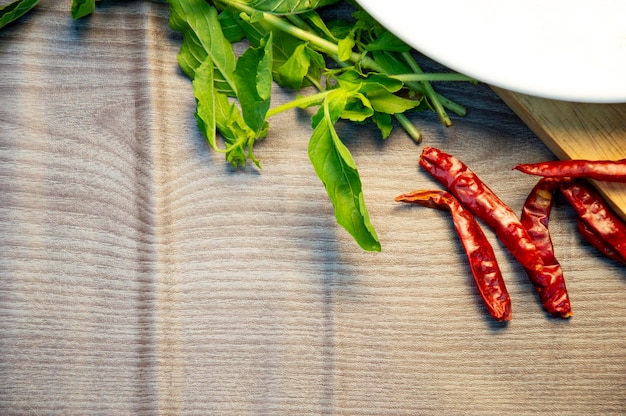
140	274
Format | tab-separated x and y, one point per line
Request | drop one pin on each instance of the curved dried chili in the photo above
549	282
596	214
467	187
602	170
482	260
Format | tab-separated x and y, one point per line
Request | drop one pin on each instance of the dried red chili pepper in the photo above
549	281
602	170
467	187
597	242
482	260
596	214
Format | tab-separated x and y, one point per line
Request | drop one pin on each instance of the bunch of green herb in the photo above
356	69
361	72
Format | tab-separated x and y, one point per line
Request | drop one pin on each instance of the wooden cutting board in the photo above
577	131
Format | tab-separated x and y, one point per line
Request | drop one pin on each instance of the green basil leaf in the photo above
288	6
386	102
317	61
350	80
358	108
355	81
391	63
205	101
345	47
253	78
316	20
253	31
364	19
191	54
340	28
229	21
290	55
82	8
335	167
383	122
376	82
15	10
202	36
386	41
291	74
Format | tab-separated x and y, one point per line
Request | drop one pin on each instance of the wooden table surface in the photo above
140	274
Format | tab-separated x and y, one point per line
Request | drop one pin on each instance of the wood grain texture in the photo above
140	274
577	131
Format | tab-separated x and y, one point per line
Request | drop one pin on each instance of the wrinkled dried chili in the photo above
482	260
602	170
467	187
596	241
596	214
548	282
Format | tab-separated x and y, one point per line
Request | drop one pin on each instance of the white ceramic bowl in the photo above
571	50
